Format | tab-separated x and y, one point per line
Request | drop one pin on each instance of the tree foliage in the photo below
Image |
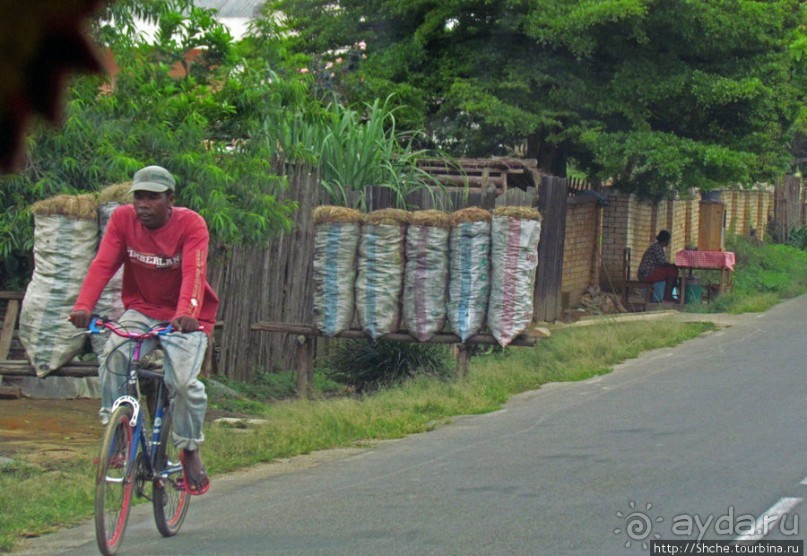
185	100
654	94
218	114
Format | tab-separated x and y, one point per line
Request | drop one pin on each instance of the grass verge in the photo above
36	501
764	275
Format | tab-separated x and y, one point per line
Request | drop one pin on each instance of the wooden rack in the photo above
12	357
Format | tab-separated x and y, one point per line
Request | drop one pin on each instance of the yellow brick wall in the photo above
747	210
628	222
617	225
579	251
692	221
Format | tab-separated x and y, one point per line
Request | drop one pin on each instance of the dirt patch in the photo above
39	431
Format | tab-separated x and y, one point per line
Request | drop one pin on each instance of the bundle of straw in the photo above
80	207
434	218
328	213
470	214
116	193
522	213
388	216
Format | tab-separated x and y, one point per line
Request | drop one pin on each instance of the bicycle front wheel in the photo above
170	498
114	481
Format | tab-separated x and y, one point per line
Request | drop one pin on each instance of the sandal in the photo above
199	485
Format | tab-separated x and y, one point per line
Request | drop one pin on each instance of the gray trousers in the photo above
184	355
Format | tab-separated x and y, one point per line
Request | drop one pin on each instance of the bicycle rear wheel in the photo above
170	498
114	481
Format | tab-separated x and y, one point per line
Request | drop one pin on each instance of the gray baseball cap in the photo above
153	178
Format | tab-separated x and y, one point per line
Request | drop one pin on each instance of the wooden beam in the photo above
523	340
305	356
23	368
305	366
471	181
9	323
463	357
552	202
10	393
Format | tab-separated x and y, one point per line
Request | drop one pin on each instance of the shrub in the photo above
369	366
798	238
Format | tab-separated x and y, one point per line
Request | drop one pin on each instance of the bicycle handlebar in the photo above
98	325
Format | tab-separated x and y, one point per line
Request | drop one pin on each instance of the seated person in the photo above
655	268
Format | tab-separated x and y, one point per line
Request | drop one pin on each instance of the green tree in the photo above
798	48
654	94
185	100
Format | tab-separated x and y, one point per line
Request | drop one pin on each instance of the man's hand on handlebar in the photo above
80	319
185	324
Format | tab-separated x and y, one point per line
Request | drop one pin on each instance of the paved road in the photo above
710	431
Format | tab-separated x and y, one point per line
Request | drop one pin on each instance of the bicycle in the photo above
130	457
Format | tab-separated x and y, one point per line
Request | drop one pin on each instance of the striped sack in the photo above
380	278
335	246
469	277
514	260
425	281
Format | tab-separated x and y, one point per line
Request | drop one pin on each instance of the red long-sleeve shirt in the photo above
164	270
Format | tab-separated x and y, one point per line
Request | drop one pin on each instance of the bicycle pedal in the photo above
117	461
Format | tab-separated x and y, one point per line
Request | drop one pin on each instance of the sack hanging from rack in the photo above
515	233
110	304
65	242
469	271
426	274
336	239
381	264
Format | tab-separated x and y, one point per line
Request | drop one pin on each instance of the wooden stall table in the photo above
689	260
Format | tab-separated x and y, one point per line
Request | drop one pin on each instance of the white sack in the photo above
109	304
469	277
425	280
335	245
63	250
514	260
380	278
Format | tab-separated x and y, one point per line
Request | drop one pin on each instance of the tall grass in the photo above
764	274
37	500
353	149
367	149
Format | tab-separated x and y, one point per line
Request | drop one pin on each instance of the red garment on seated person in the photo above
662	273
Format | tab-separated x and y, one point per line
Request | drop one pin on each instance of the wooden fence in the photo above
789	207
274	282
552	206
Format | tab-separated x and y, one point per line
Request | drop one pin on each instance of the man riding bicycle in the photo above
163	250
